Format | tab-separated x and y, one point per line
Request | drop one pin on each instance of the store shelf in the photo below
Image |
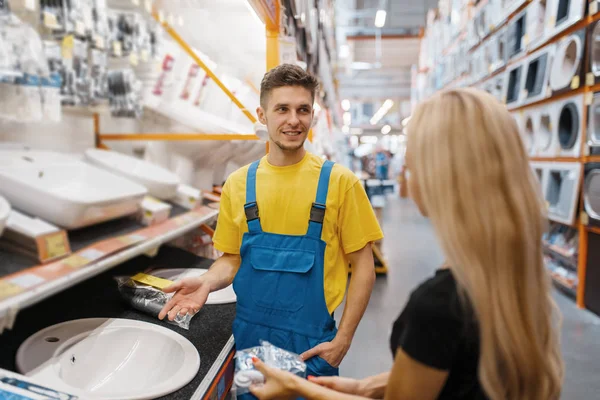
560	254
24	284
555	159
564	286
593	229
590	159
550	99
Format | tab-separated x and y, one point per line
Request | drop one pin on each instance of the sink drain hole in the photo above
52	339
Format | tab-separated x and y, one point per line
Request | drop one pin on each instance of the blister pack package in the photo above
275	357
149	300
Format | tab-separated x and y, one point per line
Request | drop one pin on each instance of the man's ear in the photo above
261	115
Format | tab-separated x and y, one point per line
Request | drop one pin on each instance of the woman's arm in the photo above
412	380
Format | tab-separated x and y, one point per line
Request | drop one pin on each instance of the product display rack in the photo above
582	88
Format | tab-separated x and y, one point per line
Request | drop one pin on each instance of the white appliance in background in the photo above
593	131
510	6
594	50
531	121
109	359
4	212
568	126
513	82
563	13
160	182
568	61
536	23
517	34
540	171
591	192
65	191
562	191
544	136
536	74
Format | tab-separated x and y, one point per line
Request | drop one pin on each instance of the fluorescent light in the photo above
405	121
380	18
369	139
347	118
345	129
346	105
254	13
382	111
361	65
344	51
356	131
386	129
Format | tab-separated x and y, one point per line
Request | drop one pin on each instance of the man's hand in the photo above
333	352
190	295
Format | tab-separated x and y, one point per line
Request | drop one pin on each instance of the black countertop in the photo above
99	297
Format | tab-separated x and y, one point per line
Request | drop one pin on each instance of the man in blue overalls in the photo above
288	226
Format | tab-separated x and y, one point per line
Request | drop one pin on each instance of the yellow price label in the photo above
153	281
575	82
148	5
590	79
584	218
50	20
56	245
9	289
133	59
75	261
117	49
552	21
67	47
144	55
80	28
589	99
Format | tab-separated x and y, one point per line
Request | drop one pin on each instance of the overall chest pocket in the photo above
281	277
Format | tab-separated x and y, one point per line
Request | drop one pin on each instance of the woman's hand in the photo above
278	384
339	384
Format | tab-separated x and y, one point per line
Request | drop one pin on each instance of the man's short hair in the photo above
286	75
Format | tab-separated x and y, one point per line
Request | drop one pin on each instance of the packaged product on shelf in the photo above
245	373
142	292
50	93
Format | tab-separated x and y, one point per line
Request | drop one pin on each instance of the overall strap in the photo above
251	207
317	211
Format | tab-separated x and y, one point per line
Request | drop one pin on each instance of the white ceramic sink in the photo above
65	191
109	359
160	182
222	296
4	211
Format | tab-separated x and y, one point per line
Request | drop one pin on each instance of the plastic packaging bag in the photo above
149	300
245	373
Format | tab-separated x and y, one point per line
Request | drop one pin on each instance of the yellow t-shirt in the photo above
284	196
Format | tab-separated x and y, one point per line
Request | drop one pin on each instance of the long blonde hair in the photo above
483	199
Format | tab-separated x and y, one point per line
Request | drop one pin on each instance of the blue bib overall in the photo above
279	286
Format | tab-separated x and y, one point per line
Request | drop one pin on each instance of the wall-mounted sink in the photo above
160	182
4	211
65	191
109	359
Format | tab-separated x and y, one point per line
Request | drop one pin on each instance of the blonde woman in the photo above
484	326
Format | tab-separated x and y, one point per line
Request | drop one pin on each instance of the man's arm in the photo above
359	293
221	273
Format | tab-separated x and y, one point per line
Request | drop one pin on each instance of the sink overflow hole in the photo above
51	339
72	359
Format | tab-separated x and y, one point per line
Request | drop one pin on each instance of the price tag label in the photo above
76	261
590	79
153	281
50	20
80	28
133	59
575	82
549	92
56	245
30	5
9	289
593	7
148	5
525	40
161	16
589	99
144	55
524	94
117	49
99	42
552	21
584	218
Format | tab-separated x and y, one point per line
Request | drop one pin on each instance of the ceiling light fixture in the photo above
346	105
386	129
382	111
345	129
380	18
369	139
356	131
344	51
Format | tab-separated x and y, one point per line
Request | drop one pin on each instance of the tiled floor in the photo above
413	255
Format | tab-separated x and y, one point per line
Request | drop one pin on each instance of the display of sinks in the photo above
109	359
4	211
65	191
160	182
222	296
567	62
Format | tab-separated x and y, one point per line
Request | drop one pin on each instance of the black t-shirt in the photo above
437	330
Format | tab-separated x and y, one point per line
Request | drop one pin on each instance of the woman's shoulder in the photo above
436	297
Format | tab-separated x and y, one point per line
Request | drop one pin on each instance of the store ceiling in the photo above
374	69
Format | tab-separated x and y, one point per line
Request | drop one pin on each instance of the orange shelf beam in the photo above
593	229
555	159
176	136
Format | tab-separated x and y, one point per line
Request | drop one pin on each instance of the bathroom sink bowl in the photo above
65	191
4	211
223	296
109	359
160	182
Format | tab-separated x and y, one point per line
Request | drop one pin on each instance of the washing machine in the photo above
567	66
513	81
591	193
530	121
562	14
537	73
562	191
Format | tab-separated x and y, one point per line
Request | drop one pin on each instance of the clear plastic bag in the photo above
245	373
149	300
